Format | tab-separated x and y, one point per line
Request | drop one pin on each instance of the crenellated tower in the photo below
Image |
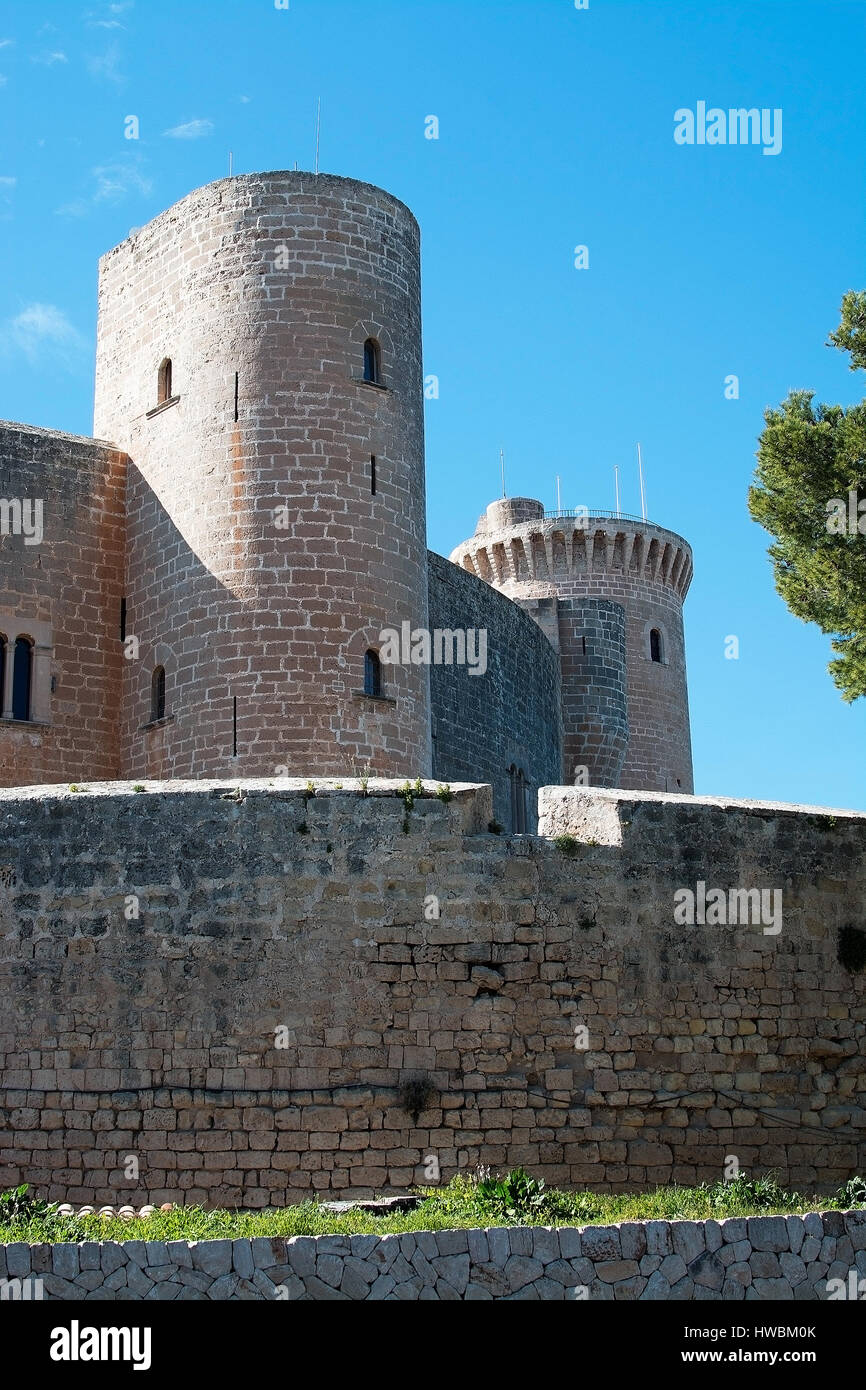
608	590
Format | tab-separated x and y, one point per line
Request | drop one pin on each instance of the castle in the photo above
214	571
235	978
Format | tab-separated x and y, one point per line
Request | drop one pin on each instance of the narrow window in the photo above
583	640
655	645
372	362
22	678
2	669
157	694
373	475
521	801
123	620
518	788
163	391
372	674
236	395
234	726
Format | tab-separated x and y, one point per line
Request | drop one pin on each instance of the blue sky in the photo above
555	130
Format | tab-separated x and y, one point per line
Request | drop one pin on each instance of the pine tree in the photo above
810	494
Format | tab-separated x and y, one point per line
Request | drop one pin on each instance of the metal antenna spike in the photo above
640	475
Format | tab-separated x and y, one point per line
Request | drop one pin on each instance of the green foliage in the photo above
567	844
409	792
34	1220
809	455
852	1193
516	1196
850	336
464	1202
755	1194
494	827
444	792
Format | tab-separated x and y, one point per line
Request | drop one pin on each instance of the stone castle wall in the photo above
509	716
262	562
64	594
246	988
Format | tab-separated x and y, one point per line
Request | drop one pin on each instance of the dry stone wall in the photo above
787	1258
267	991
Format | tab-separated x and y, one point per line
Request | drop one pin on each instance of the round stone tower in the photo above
609	591
259	359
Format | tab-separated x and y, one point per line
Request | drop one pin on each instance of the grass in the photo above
515	1199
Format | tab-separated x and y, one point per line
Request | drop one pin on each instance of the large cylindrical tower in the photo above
596	567
259	359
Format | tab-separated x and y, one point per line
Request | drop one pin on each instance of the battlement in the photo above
516	543
624	694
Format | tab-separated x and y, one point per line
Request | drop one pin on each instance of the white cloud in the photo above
192	130
4	43
113	183
96	19
42	331
107	65
48	60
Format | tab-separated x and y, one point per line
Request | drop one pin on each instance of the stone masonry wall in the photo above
64	595
789	1258
510	715
592	634
264	558
247	989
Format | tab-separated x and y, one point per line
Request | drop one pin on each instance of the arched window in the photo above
372	674
655	645
163	389
157	694
372	362
22	678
